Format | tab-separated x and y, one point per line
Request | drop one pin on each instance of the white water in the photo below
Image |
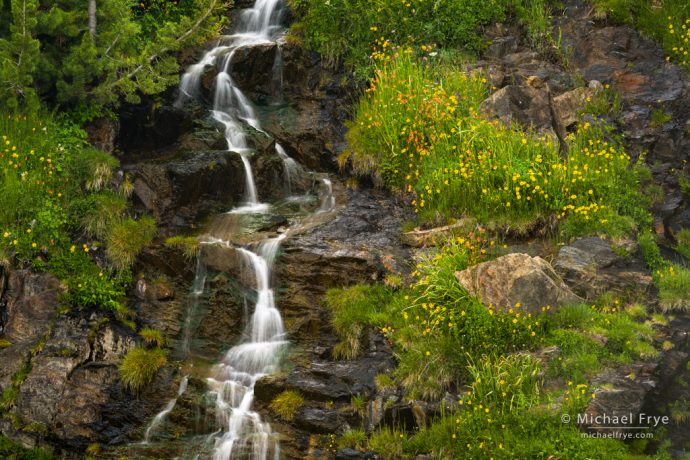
257	25
158	419
243	433
234	378
290	166
193	303
327	197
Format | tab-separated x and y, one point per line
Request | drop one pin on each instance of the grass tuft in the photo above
287	403
139	367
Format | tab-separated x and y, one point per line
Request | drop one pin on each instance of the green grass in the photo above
287	403
683	239
152	336
673	280
353	439
58	205
127	238
418	130
139	367
10	450
189	245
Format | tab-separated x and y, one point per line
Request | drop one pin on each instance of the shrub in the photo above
139	367
287	403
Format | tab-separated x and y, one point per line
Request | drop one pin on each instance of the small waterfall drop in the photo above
158	419
327	197
290	167
193	304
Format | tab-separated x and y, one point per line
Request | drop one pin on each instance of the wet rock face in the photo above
187	189
517	278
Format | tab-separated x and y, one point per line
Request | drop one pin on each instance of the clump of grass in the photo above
287	403
152	337
352	309
659	118
4	343
189	245
99	212
673	280
139	367
127	238
384	382
683	239
508	382
388	443
13	451
353	439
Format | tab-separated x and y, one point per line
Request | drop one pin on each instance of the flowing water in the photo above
242	433
158	419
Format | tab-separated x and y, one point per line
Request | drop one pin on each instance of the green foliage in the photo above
683	239
388	443
353	439
507	383
659	118
346	29
287	403
50	52
189	245
12	451
478	434
152	336
352	308
126	238
139	367
418	130
673	280
4	343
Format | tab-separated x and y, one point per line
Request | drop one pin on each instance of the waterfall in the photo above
193	303
290	166
234	378
158	419
243	434
327	197
231	108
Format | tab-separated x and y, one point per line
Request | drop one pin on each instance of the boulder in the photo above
517	278
317	420
527	105
590	267
567	105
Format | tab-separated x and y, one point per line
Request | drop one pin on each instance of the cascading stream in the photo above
257	25
243	433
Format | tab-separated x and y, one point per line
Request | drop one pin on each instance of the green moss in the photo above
139	367
287	403
4	343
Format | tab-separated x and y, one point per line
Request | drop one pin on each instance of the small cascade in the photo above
290	167
277	81
193	304
231	108
234	378
327	197
158	419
